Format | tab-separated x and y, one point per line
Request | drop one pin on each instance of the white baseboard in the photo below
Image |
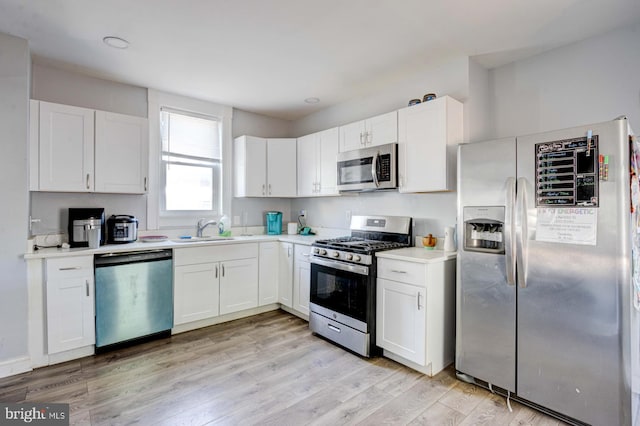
15	366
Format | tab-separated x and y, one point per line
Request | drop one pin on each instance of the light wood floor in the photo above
267	369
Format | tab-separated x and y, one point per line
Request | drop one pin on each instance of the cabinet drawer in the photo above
69	267
302	253
402	271
204	254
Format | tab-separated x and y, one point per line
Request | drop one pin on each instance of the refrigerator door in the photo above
486	302
573	279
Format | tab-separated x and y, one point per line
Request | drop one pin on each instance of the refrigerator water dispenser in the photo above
483	229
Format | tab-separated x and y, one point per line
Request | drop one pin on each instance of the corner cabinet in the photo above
285	274
70	303
264	167
378	130
415	311
428	135
317	164
302	278
74	149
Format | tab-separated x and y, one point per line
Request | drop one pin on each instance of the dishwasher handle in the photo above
112	259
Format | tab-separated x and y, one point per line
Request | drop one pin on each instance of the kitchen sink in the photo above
201	239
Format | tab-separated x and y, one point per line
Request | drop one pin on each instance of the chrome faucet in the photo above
202	224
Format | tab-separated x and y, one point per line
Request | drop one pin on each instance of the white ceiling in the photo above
267	56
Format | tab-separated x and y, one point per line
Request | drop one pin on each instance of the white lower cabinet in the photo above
214	280
268	273
238	285
70	303
415	313
285	274
196	292
301	278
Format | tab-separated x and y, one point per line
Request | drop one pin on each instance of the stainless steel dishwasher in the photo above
134	296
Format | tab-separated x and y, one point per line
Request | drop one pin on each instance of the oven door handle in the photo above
356	269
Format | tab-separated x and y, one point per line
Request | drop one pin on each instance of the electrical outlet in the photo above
303	213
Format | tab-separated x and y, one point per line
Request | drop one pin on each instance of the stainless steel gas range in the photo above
343	280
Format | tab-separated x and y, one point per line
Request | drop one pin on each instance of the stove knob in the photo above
316	250
349	256
356	258
335	254
323	252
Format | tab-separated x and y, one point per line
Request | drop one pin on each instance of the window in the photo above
191	164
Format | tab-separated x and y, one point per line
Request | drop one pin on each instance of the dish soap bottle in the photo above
224	226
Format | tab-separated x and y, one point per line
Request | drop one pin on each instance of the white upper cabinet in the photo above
428	134
75	149
317	172
378	130
264	167
65	148
122	156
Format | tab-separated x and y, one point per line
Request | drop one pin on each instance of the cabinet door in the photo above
302	279
70	303
250	166
285	274
66	148
238	285
121	153
196	290
430	131
307	163
328	144
268	270
352	136
281	168
401	319
382	129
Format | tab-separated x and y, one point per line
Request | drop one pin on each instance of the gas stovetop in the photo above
369	234
358	245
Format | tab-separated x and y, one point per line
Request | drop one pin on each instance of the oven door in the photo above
343	292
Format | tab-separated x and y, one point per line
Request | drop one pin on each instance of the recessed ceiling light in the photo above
116	42
312	100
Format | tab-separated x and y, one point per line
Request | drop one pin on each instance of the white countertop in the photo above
113	248
417	255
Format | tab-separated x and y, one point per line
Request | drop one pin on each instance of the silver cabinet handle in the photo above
333	328
398	272
216	271
71	268
86	283
145	184
263	189
88	176
368	137
361	138
419	305
288	251
269	189
222	269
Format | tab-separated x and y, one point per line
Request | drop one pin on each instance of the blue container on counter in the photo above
274	223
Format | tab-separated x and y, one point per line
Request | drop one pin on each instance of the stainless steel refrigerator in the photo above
545	294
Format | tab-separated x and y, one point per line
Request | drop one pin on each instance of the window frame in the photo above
158	101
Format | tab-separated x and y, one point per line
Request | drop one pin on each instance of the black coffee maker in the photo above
83	219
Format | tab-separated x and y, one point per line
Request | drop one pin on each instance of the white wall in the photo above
590	81
14	189
431	212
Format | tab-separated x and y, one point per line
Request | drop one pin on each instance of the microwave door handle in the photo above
374	171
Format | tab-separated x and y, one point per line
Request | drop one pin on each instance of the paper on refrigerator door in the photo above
570	225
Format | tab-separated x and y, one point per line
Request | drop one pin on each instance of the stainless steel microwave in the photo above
368	169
